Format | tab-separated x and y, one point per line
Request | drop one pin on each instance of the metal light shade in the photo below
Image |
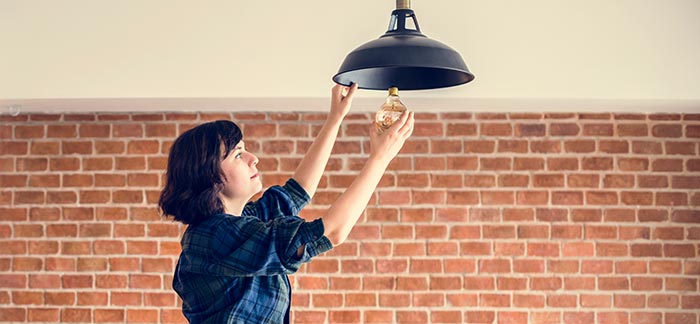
403	58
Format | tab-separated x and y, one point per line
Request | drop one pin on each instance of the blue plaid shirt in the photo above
233	269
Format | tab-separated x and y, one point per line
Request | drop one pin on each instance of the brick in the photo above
613	283
108	315
613	317
27	264
567	198
692	131
494	300
43	247
44	281
562	301
690	302
31	164
595	301
494	266
97	164
360	299
456	214
579	317
680	148
59	298
579	283
667	130
479	181
95	230
461	129
76	281
597	163
671	198
527	301
27	298
646	147
480	316
62	131
646	317
543	249
411	317
681	284
509	249
378	316
495	164
461	300
60	264
633	164
43	314
92	264
522	164
76	315
679	250
445	146
663	301
442	248
142	316
680	318
646	250
30	131
518	214
76	147
460	266
614	147
548	180
446	316
577	249
551	283
445	283
22	147
297	317
506	283
159	299
394	299
479	283
632	130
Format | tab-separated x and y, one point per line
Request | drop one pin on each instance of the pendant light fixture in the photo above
403	58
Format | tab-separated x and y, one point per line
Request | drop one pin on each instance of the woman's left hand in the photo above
341	100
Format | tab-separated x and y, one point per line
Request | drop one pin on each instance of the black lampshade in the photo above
403	58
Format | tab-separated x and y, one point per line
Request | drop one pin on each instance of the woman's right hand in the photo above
386	146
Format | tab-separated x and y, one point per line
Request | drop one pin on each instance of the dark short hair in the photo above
193	176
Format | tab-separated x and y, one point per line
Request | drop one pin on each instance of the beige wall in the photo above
602	50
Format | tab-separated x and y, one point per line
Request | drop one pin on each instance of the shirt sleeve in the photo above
278	201
247	246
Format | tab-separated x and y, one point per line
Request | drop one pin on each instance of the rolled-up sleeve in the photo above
247	246
278	201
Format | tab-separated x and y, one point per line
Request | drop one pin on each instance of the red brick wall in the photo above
483	218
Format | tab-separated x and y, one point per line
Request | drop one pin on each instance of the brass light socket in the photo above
403	4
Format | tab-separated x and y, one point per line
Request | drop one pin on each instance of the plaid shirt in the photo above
233	269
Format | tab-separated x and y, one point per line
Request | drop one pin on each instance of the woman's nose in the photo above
254	161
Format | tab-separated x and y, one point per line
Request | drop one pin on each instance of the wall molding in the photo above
14	106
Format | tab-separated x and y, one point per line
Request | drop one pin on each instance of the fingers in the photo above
351	91
398	124
337	91
341	92
407	129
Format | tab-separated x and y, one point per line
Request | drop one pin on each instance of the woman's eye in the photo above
238	156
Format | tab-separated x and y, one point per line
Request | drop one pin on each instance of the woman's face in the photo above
242	180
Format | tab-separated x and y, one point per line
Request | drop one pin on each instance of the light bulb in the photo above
390	111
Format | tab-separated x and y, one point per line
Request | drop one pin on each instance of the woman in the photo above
236	254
